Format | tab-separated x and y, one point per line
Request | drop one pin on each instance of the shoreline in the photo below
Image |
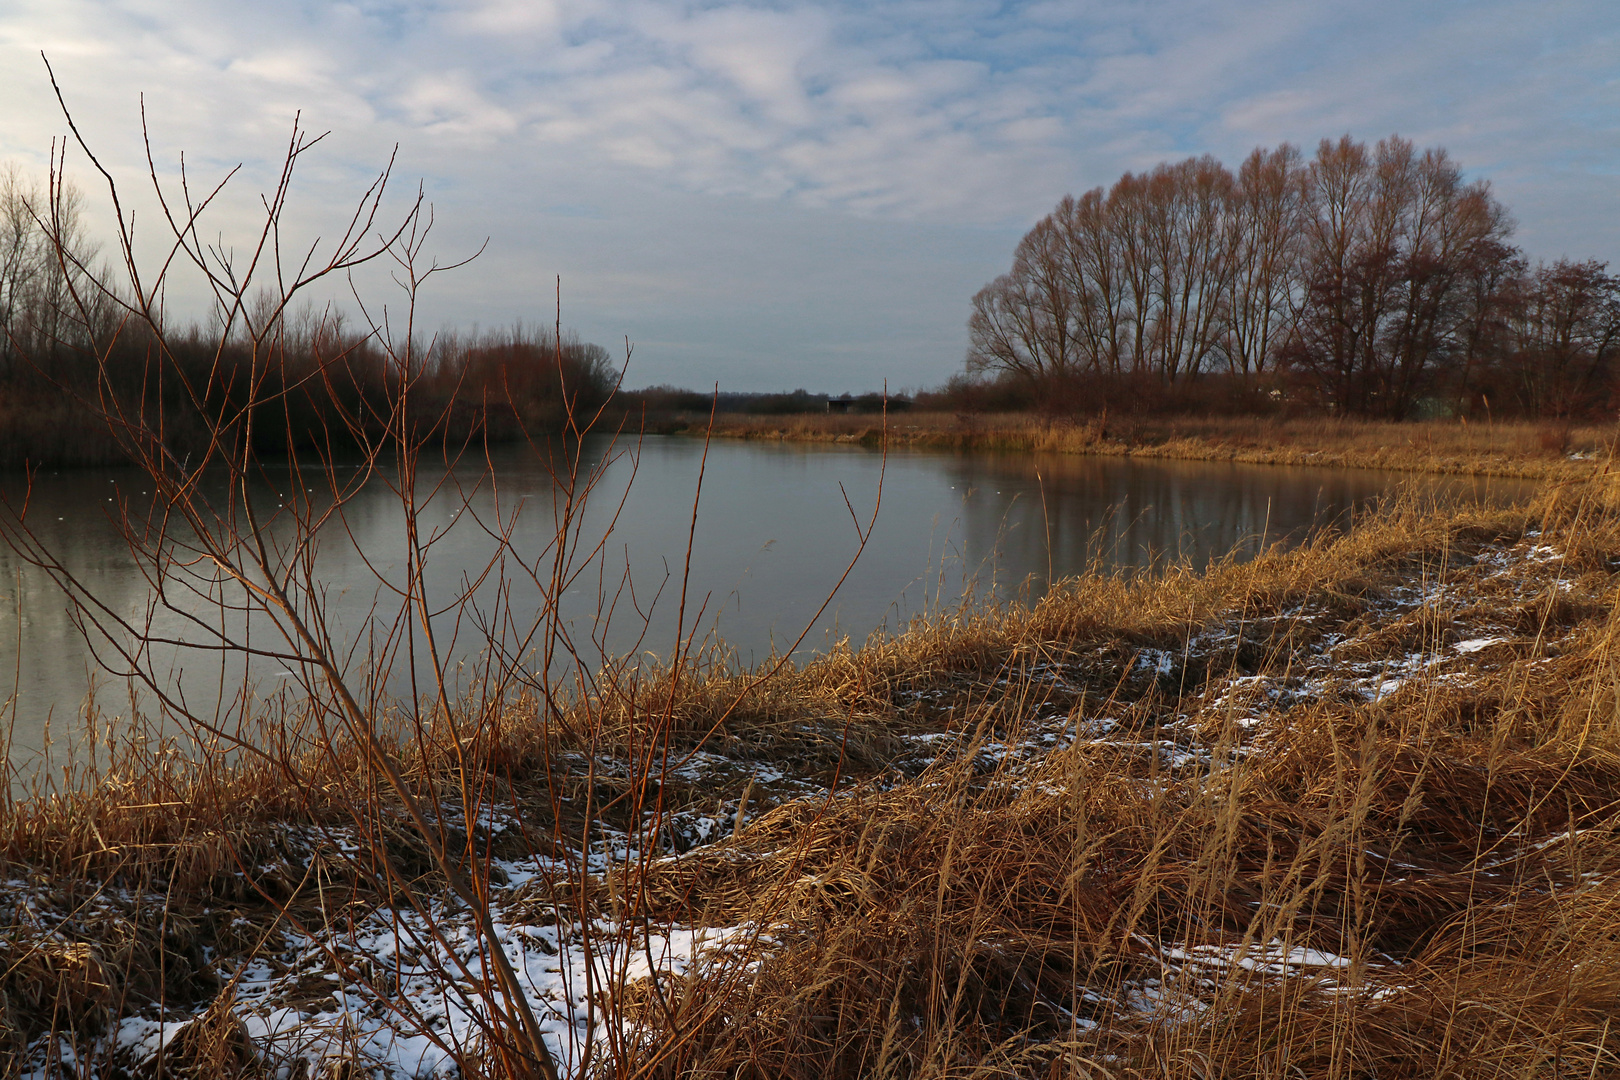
1119	822
1519	450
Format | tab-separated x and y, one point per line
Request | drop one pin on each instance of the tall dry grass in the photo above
1540	450
1417	885
1267	820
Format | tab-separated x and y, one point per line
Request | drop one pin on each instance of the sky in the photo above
778	195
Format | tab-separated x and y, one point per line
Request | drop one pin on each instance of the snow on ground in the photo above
399	988
415	1012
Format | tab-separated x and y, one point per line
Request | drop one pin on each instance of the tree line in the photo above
70	365
1375	281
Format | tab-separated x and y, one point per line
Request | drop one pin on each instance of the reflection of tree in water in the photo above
1132	516
779	512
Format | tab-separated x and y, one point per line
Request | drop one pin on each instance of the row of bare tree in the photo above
71	360
1372	280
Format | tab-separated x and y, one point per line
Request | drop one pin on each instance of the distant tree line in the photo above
665	400
68	365
1371	281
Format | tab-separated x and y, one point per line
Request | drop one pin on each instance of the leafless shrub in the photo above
392	754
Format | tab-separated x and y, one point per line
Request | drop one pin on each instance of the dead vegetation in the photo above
1552	450
1345	810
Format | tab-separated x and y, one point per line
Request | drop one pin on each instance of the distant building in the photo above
840	404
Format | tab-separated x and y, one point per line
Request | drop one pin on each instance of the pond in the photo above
776	528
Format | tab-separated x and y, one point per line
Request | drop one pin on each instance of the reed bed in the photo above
1532	450
1346	810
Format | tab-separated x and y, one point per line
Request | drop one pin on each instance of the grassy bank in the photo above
1348	810
1523	449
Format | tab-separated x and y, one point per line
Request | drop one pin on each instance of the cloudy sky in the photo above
772	195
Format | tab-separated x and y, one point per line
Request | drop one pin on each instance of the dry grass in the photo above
1264	821
1448	848
1540	450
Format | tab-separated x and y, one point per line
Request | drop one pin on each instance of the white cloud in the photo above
937	119
763	54
504	17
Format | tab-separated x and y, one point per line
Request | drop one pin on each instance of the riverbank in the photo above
1344	810
1531	450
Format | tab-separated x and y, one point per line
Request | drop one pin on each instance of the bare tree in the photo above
1262	297
1137	281
1562	335
1394	242
1024	321
1092	276
37	314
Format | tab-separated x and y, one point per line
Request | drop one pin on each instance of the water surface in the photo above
776	528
